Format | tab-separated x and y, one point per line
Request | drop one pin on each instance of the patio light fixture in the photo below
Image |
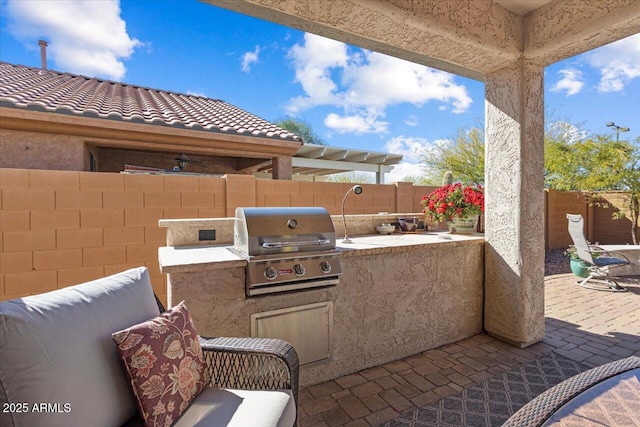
183	161
356	189
618	129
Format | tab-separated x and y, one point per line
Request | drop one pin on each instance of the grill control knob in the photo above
270	273
325	267
299	269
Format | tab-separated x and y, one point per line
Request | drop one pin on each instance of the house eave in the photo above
118	133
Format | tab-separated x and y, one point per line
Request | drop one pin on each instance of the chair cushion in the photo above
56	348
605	261
165	365
240	408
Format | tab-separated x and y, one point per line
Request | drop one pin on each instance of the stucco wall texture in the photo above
514	109
59	228
34	150
386	306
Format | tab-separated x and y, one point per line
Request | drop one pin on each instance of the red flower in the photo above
453	200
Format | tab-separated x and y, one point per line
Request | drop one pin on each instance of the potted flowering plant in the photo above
578	267
455	203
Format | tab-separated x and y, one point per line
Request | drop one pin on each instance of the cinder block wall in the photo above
599	226
557	205
617	232
398	197
60	228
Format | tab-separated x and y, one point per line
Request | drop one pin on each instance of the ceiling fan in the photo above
183	161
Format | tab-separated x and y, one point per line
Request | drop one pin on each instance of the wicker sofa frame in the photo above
540	409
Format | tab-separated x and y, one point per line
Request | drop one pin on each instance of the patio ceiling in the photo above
471	38
522	7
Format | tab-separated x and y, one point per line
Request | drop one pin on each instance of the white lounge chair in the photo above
599	277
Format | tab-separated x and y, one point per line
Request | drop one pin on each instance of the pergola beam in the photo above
339	166
314	154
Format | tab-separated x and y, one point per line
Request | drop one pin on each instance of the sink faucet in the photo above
357	190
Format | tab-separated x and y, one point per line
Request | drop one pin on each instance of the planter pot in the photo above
464	225
579	268
408	224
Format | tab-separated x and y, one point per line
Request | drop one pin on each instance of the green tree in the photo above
596	164
631	181
593	164
302	128
463	155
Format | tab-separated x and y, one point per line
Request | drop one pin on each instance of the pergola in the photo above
506	44
320	160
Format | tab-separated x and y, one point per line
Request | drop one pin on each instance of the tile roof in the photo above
52	91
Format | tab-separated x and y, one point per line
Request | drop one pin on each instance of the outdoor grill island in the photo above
286	249
344	307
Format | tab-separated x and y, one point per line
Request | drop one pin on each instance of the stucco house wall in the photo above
35	150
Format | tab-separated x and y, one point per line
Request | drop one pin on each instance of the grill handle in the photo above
278	245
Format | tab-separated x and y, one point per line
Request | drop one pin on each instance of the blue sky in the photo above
353	98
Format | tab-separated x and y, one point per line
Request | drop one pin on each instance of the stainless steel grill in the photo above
286	248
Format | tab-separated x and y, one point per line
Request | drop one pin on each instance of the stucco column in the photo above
281	167
514	217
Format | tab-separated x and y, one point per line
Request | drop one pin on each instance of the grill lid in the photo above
286	248
268	231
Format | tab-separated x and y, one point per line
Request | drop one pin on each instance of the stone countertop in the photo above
184	259
377	244
198	258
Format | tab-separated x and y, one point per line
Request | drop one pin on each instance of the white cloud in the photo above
411	120
402	170
364	84
85	37
572	81
409	147
249	58
356	124
411	150
313	63
382	80
617	62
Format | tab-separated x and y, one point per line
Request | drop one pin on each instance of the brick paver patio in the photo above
588	326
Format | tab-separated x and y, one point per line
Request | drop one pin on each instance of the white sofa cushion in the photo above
240	408
56	348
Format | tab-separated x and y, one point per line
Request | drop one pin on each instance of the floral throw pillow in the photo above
165	364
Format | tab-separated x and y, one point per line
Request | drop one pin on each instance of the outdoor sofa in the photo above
60	367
